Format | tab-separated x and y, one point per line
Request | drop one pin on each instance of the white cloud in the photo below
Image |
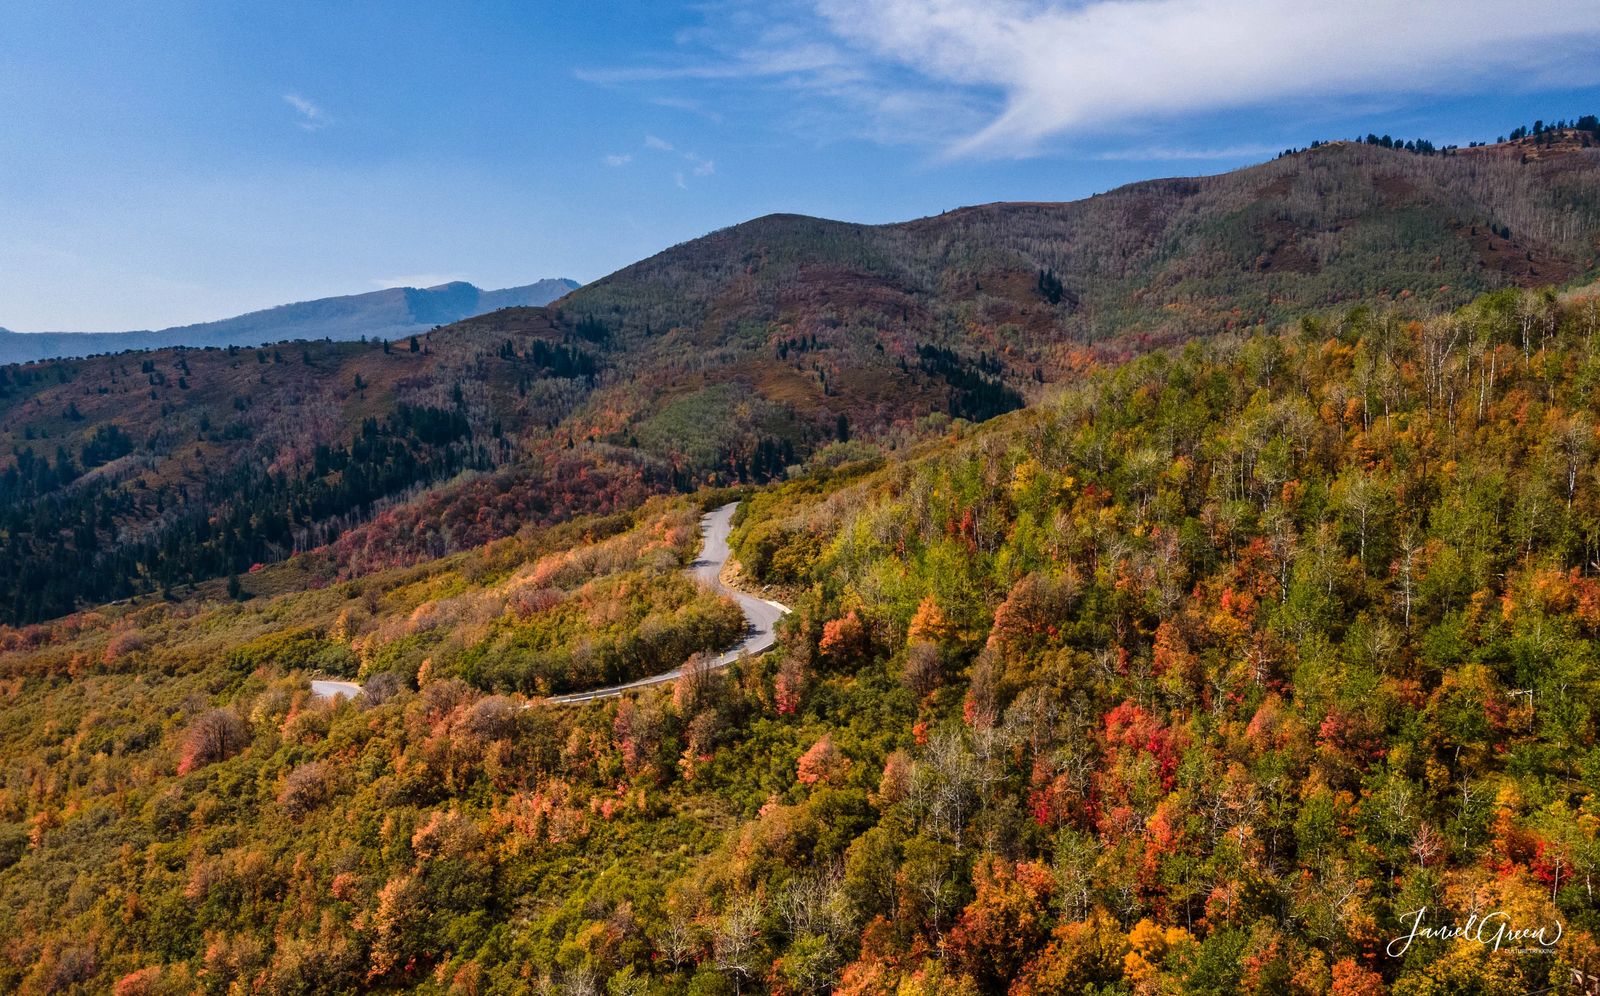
701	165
311	117
748	49
690	106
1058	68
1009	77
777	53
698	165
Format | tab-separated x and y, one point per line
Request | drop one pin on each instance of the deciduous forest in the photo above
1199	674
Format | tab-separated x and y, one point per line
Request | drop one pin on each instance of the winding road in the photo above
335	689
759	613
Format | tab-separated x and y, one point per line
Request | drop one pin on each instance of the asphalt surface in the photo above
760	616
335	689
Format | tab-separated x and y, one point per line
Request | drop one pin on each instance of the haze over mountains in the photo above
390	313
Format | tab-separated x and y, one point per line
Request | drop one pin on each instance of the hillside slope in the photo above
137	471
1162	258
960	313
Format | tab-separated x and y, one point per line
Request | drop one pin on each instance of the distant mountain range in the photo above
384	314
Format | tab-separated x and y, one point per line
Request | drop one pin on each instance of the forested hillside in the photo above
150	471
1156	260
1196	676
730	359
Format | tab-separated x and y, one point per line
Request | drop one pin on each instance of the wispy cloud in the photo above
783	47
780	54
700	165
984	78
1066	67
685	104
308	115
615	159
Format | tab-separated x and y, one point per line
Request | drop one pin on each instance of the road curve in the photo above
760	614
335	689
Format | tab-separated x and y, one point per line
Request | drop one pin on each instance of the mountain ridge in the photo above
391	312
729	359
1417	214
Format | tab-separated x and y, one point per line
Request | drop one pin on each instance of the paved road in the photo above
760	614
335	689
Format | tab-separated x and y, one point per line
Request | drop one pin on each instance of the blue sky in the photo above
163	163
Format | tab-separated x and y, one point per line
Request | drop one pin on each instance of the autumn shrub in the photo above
212	736
844	639
381	687
305	788
494	717
123	644
822	763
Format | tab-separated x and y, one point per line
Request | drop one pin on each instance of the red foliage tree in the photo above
1004	925
1034	609
843	639
789	685
1351	979
213	736
1130	728
824	763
